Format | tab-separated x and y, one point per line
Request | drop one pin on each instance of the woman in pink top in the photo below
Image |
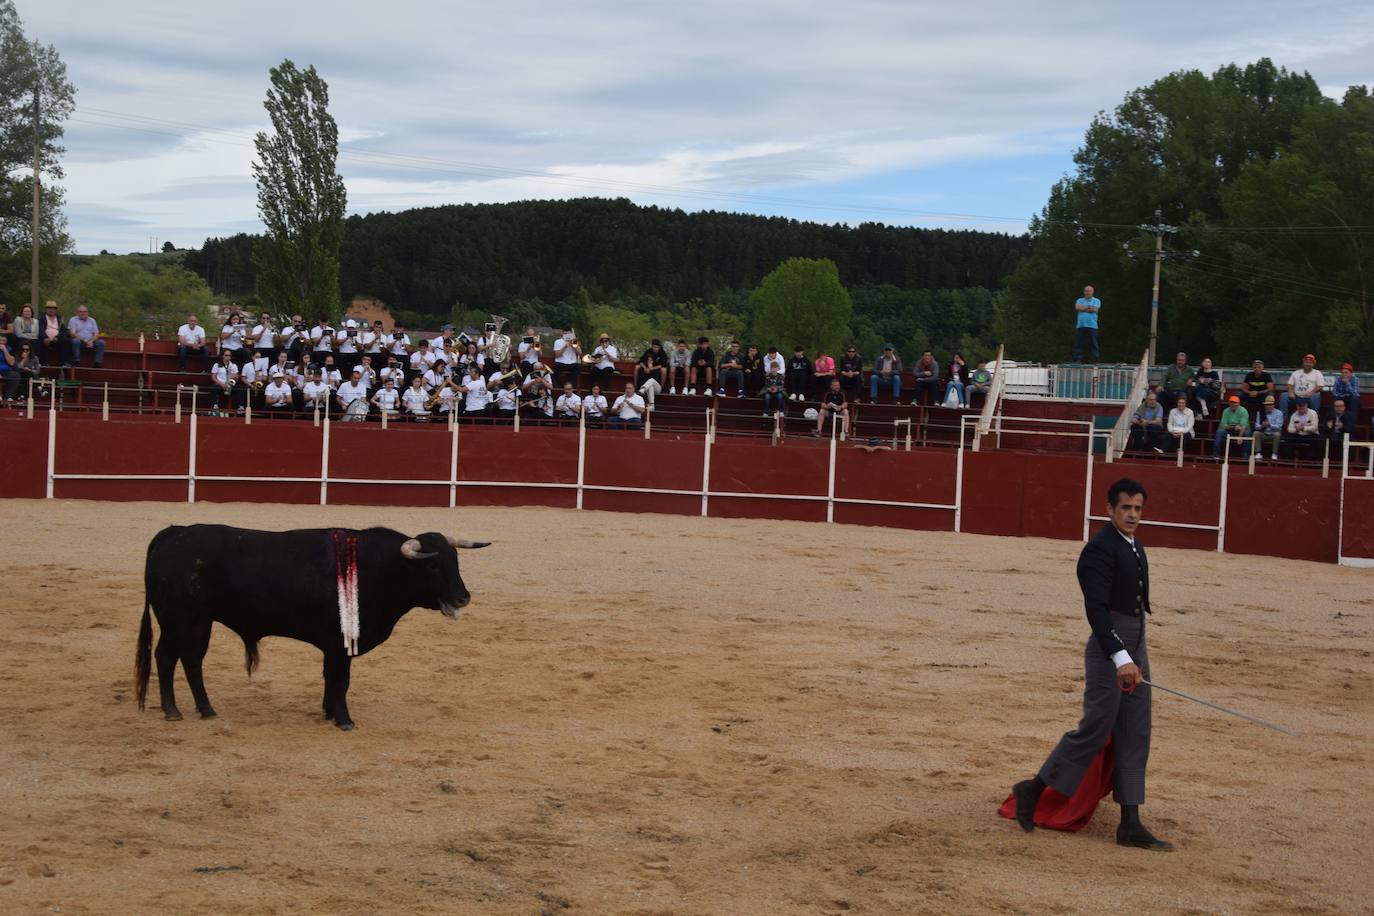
825	371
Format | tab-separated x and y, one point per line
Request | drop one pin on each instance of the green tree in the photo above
301	197
28	69
127	298
1176	144
802	302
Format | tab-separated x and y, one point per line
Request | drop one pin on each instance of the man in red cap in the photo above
1304	384
1347	389
1234	424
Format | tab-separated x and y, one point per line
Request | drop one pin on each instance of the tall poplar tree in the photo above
301	197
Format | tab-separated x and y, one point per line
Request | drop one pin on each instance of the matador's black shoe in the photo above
1027	797
1138	836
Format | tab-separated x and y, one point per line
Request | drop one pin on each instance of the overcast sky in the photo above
890	110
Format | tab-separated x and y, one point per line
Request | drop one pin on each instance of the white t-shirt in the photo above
289	334
189	336
235	339
331	377
346	343
249	373
465	360
314	391
446	398
277	391
386	398
609	354
261	365
624	407
263	336
321	341
415	400
478	395
505	398
222	374
433	378
421	360
369	340
388	372
1306	383
350	392
563	352
595	405
568	404
399	345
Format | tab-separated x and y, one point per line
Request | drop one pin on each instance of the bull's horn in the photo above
411	551
464	543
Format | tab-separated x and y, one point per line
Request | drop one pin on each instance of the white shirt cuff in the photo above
1121	658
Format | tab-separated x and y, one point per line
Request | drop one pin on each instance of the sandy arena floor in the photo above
645	714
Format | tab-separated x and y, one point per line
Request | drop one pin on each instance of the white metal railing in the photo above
1363	478
1121	432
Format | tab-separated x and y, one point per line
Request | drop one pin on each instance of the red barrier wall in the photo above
1004	493
23	458
1357	532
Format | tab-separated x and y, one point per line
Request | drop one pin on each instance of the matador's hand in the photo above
1129	675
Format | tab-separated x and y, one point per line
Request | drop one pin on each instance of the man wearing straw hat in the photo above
1114	733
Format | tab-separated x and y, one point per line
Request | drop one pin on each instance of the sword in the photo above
1229	712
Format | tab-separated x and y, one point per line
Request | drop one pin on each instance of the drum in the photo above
356	410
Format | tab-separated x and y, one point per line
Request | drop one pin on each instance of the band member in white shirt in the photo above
264	338
346	345
387	398
315	392
369	373
569	405
472	356
392	370
436	375
422	359
567	359
505	395
447	395
604	370
445	338
594	406
247	376
477	396
226	378
191	342
398	343
304	366
231	338
527	343
277	395
416	400
330	373
352	390
628	409
292	338
370	341
322	339
262	364
283	365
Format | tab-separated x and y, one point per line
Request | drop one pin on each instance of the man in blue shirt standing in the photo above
1087	309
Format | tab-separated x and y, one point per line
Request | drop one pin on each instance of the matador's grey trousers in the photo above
1108	710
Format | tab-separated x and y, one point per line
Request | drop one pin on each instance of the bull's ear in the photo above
464	543
411	551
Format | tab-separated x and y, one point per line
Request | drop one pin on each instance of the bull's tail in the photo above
250	654
143	658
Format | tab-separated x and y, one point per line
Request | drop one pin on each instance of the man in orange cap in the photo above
1234	423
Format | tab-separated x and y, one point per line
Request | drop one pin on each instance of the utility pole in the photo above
1159	256
37	202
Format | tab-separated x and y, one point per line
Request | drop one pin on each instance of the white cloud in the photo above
665	102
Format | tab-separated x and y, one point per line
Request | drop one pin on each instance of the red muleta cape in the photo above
1057	811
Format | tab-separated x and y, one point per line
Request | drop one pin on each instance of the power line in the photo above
1276	275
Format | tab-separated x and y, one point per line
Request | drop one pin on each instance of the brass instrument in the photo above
437	396
591	359
499	345
506	376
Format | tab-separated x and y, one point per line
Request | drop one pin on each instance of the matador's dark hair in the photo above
1127	486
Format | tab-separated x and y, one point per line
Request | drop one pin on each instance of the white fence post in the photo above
324	463
830	484
706	468
582	451
453	467
191	459
52	441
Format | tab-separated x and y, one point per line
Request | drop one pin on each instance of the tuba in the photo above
500	343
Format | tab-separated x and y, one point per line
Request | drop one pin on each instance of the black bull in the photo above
268	583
